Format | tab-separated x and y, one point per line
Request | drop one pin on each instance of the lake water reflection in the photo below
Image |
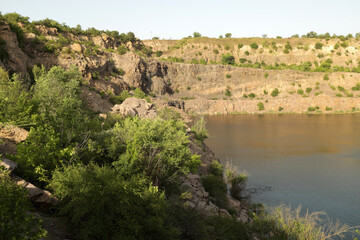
309	160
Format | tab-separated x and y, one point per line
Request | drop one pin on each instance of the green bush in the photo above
158	53
169	114
254	46
308	90
252	95
216	168
237	182
275	92
16	106
227	47
311	109
228	35
102	205
242	60
122	49
300	91
228	76
155	148
199	130
227	59
16	222
196	35
266	75
217	190
216	51
240	45
244	95
227	91
247	53
261	106
120	98
318	45
326	77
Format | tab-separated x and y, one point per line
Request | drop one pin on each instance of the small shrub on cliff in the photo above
216	168
228	76
240	45
252	95
158	53
199	129
261	106
319	45
266	75
227	91
236	180
326	77
216	51
228	59
275	92
15	220
308	90
122	49
217	189
300	91
254	46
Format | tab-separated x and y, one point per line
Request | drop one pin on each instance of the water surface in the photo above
309	160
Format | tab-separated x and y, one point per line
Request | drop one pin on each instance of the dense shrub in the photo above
308	90
228	35
240	45
252	95
227	91
261	106
217	190
15	220
216	168
122	49
16	106
158	53
155	148
199	130
254	46
216	51
102	205
275	92
318	45
228	59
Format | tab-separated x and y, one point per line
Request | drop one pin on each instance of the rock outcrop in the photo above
135	107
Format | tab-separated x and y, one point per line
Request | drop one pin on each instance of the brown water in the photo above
309	160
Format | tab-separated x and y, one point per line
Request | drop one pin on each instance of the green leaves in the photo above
15	220
155	148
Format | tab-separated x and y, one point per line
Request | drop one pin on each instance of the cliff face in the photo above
209	88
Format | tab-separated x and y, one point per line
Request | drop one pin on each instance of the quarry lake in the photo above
307	160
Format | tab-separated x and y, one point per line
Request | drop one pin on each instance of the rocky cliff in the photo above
259	80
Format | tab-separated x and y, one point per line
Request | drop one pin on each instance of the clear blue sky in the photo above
177	19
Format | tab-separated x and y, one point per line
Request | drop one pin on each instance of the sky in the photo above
171	19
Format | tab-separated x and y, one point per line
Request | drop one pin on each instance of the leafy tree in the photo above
40	154
319	45
196	35
60	106
15	220
103	205
16	106
228	35
156	148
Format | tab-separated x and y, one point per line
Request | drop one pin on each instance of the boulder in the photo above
13	133
135	107
8	164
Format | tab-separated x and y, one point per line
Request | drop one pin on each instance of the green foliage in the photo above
102	205
15	220
326	77
120	98
158	53
40	154
308	90
252	95
254	46
196	35
300	91
275	92
288	46
227	91
16	105
228	35
122	49
266	75
199	130
242	60
228	59
236	180
261	106
216	51
228	76
216	168
356	88
319	45
240	45
57	94
155	148
169	114
217	190
247	53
